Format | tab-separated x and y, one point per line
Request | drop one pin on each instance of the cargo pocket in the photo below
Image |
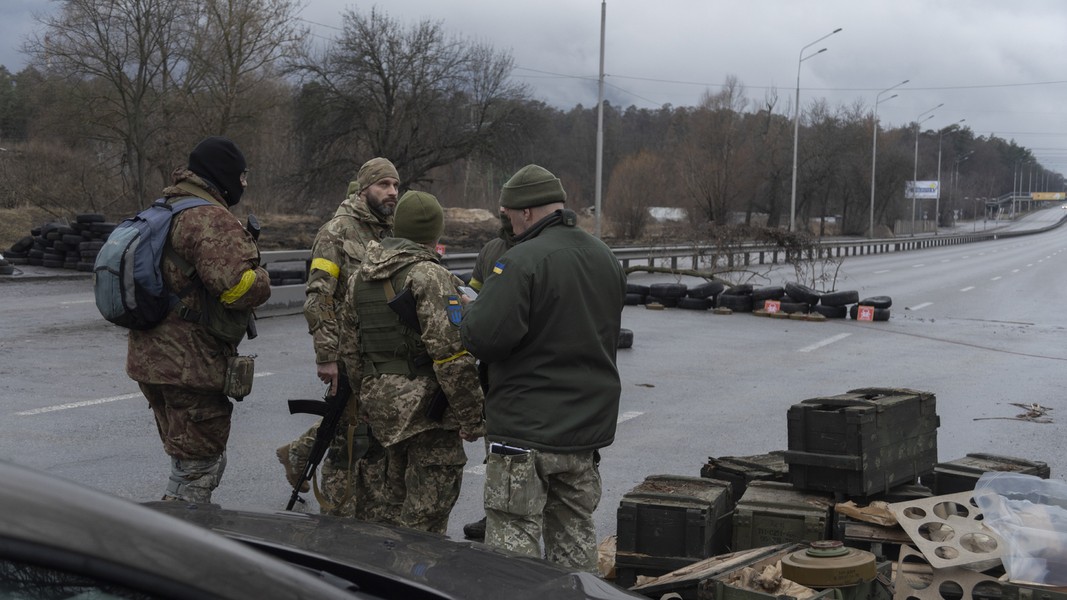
207	428
512	485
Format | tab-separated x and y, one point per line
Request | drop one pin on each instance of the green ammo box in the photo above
668	522
740	470
961	475
775	513
863	442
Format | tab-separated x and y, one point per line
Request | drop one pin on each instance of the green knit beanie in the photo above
373	171
419	218
532	186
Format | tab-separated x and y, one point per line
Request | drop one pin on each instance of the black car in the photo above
61	540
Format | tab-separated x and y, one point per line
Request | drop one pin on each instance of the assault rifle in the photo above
252	227
331	409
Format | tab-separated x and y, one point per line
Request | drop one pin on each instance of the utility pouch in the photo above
238	379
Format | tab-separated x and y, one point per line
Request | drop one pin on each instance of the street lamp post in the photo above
874	144
937	202
915	173
954	177
796	128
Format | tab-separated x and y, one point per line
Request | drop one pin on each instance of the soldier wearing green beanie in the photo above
410	350
559	294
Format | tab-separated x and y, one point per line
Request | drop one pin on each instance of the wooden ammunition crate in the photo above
962	474
630	565
863	442
675	516
740	470
776	513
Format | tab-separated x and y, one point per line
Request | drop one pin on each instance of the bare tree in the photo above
416	95
635	184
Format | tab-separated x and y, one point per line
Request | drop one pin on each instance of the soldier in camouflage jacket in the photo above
402	375
179	364
351	486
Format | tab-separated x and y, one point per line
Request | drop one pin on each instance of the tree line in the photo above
116	92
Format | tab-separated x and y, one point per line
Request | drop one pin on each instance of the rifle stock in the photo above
331	409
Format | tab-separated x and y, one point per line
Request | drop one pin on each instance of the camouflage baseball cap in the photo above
419	218
532	186
374	170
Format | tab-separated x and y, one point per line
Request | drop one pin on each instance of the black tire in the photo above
7	269
842	298
102	227
877	301
831	312
72	239
802	293
52	264
771	292
626	338
694	303
735	302
637	288
794	307
90	218
667	290
23	244
741	289
706	290
634	299
880	314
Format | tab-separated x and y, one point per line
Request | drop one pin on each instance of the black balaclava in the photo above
219	162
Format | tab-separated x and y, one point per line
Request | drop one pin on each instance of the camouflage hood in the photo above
392	254
182	178
356	207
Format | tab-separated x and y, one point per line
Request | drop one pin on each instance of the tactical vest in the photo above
386	345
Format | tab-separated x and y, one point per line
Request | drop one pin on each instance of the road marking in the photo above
626	416
826	342
55	407
920	306
945	260
882	271
995	278
917	266
1029	265
967	289
76	302
1015	270
966	256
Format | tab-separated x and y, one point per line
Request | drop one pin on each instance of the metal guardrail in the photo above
289	299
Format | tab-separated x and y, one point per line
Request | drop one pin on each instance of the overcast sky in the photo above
998	64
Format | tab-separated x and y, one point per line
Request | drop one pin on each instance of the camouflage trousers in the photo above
347	488
194	427
424	475
544	495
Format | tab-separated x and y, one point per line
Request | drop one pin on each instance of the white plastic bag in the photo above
1030	514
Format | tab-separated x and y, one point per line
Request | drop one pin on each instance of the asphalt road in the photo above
980	325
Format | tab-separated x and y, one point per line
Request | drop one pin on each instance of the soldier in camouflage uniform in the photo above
179	364
351	486
407	357
547	323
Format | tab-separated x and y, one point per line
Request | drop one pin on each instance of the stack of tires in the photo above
880	304
62	245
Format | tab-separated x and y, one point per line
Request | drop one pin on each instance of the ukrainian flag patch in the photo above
498	268
455	310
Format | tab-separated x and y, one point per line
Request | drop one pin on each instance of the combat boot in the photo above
290	472
475	531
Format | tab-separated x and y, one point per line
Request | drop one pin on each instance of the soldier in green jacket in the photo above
420	390
351	485
547	323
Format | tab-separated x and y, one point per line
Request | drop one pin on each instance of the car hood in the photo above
375	555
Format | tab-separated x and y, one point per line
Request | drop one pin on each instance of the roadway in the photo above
980	325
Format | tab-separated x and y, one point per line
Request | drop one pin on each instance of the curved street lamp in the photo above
796	128
874	144
915	172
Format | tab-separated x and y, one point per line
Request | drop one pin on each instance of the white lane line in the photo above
826	342
626	416
882	271
1015	270
945	260
55	407
1029	265
967	289
76	302
917	266
995	278
920	306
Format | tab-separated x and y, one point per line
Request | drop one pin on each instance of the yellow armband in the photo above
324	265
234	294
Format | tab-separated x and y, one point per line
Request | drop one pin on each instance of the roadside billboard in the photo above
1049	196
921	190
